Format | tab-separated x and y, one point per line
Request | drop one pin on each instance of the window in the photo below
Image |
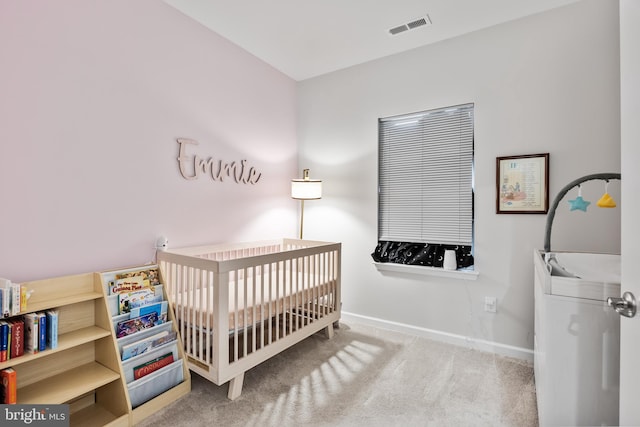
425	193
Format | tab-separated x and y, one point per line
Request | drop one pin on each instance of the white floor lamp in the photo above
305	189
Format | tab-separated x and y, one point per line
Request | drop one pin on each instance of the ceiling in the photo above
305	38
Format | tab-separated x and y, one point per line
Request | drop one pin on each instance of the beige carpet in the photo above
366	376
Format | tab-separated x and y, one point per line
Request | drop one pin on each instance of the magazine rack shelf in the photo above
153	392
83	371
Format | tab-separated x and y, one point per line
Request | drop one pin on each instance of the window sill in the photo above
426	271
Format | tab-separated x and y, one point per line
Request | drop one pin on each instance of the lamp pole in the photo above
301	216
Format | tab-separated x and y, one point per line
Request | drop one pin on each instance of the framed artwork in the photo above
522	184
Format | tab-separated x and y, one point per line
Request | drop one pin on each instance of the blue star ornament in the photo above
579	204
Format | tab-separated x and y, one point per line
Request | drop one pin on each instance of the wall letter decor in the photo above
192	166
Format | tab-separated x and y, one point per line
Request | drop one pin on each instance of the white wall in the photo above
546	83
92	98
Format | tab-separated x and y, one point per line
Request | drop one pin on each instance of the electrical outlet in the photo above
491	304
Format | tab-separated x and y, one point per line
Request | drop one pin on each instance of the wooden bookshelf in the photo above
83	370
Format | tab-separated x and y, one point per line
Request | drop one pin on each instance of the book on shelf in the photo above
17	337
52	328
24	296
5	290
10	298
148	343
42	331
4	340
152	365
158	307
128	284
15	299
131	326
129	300
31	335
9	383
150	275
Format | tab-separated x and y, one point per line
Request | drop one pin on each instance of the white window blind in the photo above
426	177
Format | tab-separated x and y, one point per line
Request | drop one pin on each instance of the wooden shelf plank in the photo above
65	342
68	385
97	415
57	302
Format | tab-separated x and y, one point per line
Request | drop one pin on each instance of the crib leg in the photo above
235	387
328	331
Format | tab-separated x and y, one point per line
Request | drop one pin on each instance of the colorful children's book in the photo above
146	344
17	337
129	300
152	365
52	328
9	382
31	336
128	284
151	275
5	288
15	299
42	331
4	341
128	327
158	307
24	296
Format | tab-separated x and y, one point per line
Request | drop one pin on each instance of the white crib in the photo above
237	305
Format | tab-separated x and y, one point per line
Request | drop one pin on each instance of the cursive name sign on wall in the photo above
217	169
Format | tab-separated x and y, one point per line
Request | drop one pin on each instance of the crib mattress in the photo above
254	303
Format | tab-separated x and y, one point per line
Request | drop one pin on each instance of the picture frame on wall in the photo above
522	184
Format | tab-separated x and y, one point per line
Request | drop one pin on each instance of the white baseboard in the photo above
468	342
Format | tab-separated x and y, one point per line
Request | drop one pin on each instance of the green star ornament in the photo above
579	204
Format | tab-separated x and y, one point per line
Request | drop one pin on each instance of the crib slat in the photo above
297	289
314	296
325	285
235	317
305	291
201	296
253	308
185	312
281	267
206	308
266	319
263	302
244	313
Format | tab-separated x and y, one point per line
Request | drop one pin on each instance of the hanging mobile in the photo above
579	203
606	201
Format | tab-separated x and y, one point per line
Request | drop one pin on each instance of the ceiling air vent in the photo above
398	30
420	22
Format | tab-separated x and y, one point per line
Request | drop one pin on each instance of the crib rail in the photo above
228	251
233	302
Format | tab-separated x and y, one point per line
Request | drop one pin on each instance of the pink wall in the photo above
93	96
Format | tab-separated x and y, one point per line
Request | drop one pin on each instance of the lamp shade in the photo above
308	189
305	188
